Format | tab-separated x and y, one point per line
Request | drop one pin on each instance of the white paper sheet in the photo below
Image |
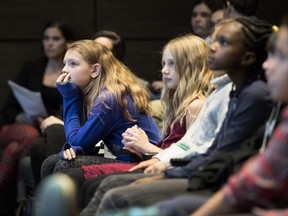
30	101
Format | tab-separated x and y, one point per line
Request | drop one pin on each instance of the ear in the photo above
248	59
96	70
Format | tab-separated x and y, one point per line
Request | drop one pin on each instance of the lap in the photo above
143	194
182	204
54	164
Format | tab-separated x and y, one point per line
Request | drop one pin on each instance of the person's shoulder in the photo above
196	104
106	98
258	88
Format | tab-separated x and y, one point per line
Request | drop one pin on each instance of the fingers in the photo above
69	154
149	169
138	166
63	78
158	167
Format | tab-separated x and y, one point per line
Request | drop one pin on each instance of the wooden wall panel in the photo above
144	18
144	58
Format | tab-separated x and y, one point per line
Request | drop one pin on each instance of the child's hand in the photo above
158	167
63	78
69	154
144	164
51	120
136	138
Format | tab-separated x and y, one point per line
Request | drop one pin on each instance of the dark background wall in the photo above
146	25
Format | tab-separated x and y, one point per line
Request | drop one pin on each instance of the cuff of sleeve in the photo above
68	90
77	149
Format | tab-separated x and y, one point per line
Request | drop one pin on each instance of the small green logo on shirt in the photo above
183	146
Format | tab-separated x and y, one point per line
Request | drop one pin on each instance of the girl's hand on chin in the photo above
63	78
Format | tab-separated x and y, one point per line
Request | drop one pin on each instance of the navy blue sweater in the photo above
247	112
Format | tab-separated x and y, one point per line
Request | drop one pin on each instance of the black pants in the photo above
50	143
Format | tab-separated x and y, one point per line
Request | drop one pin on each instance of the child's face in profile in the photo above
276	67
227	48
78	70
169	74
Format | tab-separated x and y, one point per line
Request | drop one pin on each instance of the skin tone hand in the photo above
133	150
144	164
157	85
158	167
148	179
51	120
135	138
69	154
63	78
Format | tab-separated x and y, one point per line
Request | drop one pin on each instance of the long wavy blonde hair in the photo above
190	54
114	76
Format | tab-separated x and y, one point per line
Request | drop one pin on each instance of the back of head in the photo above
119	47
256	33
245	7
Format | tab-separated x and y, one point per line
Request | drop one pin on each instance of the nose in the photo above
64	69
270	65
165	69
212	47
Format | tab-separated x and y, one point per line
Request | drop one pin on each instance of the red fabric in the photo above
15	140
101	169
173	135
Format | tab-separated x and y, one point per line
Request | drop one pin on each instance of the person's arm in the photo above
136	139
216	205
101	121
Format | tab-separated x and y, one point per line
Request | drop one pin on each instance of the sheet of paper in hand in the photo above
30	101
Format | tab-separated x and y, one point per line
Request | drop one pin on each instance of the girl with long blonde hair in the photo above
102	98
186	78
